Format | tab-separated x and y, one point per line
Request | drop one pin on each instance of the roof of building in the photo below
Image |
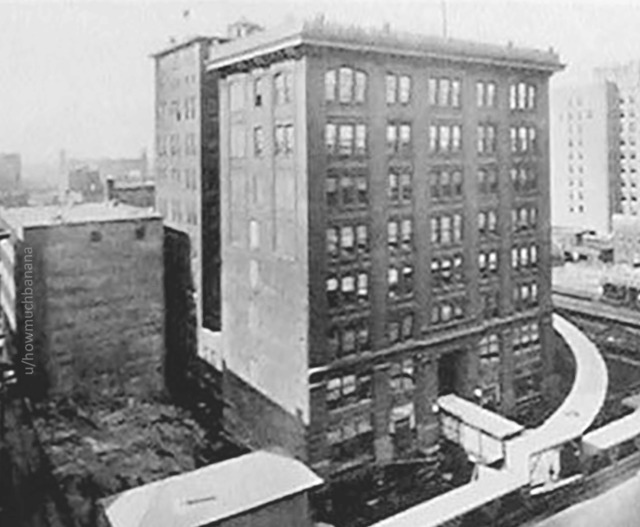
212	493
479	418
382	40
186	42
104	212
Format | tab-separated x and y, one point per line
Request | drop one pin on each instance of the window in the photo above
522	96
346	85
406	230
398	138
332	242
348	389
330	133
258	91
392	235
486	139
332	191
405	89
444	92
445	138
445	184
330	83
391	88
347	240
258	141
361	139
486	94
346	139
523	139
360	87
283	87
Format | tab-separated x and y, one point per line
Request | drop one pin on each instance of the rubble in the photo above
97	450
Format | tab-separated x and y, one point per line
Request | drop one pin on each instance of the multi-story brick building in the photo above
186	166
385	235
626	78
585	157
81	291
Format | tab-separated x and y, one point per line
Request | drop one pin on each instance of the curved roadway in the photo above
569	421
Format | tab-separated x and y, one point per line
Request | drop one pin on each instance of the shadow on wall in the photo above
180	309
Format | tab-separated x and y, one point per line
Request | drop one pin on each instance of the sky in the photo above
78	76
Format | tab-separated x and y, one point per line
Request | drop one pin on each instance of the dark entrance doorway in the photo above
447	373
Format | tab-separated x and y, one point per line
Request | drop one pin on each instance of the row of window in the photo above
447	270
400	329
400	281
524	256
399	235
347	85
525	296
348	139
346	241
523	218
282	90
400	188
448	310
349	339
348	389
284	140
525	335
180	111
488	262
171	145
523	179
349	289
446	229
522	96
349	188
346	189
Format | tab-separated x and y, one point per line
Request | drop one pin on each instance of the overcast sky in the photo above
78	75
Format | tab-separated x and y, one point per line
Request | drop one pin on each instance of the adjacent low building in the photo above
81	291
136	194
261	488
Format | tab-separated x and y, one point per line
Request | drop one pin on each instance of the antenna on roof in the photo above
443	5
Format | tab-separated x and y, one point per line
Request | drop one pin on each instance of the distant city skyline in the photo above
79	77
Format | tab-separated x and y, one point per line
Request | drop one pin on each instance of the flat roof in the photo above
480	418
320	32
212	493
186	42
50	215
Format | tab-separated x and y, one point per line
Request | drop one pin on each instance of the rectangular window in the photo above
330	83
360	86
346	139
258	141
405	89
432	91
330	137
346	85
391	88
258	91
444	92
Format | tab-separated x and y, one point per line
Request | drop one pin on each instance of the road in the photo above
619	507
